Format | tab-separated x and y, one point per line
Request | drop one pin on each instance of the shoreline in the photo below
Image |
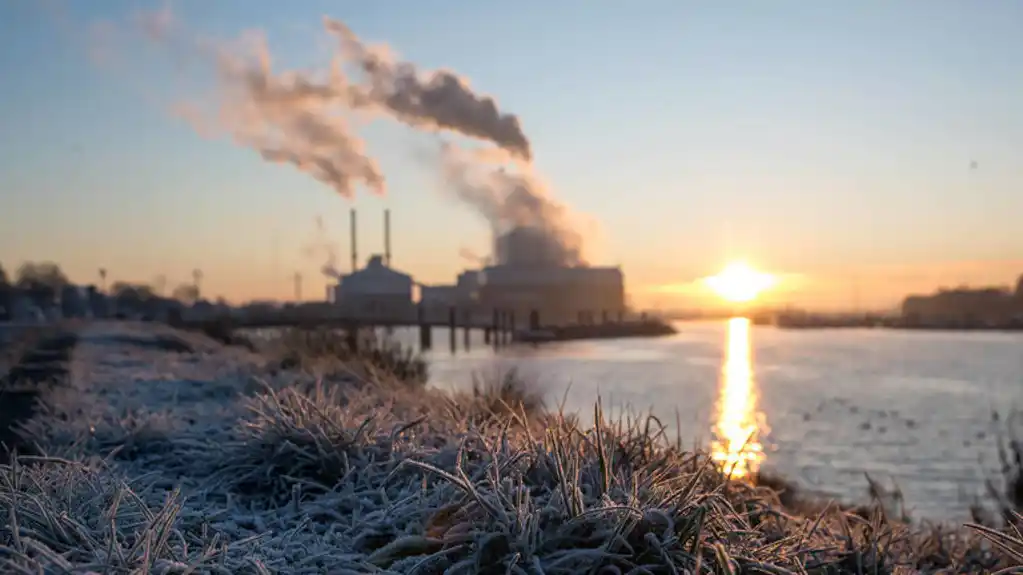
812	321
339	467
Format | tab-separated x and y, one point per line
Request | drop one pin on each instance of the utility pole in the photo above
196	283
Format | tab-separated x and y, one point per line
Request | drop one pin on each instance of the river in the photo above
823	407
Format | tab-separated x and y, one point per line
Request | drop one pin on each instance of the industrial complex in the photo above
526	277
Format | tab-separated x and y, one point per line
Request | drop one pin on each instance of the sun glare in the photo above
739	426
740	283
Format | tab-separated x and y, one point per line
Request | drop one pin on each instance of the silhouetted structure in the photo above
966	308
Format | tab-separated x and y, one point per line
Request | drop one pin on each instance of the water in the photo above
830	405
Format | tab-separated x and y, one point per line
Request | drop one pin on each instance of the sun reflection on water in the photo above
736	446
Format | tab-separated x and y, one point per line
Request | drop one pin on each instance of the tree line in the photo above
46	279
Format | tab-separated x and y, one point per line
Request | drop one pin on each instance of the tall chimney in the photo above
355	253
387	237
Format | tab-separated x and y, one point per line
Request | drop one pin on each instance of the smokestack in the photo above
387	237
355	253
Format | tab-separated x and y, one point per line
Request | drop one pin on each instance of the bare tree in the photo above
186	294
131	295
4	281
41	274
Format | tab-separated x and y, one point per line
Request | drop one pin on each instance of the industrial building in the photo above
533	273
463	294
561	295
965	307
376	290
536	271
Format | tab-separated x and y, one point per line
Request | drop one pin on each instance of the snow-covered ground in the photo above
206	457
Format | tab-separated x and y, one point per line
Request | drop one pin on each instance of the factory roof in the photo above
375	268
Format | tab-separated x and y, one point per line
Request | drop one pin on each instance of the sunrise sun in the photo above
740	283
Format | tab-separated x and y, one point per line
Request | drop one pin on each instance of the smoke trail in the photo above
529	225
473	257
322	245
291	118
304	120
297	118
435	100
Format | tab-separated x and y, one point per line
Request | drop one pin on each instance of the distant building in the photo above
963	307
439	296
100	306
74	302
24	309
464	295
560	295
201	310
376	291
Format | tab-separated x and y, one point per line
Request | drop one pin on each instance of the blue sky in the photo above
821	140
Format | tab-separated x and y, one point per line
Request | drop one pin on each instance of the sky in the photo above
861	151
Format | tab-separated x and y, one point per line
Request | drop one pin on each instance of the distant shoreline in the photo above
1003	329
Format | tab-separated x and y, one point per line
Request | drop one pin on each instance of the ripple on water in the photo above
926	398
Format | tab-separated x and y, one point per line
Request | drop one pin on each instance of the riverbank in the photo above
805	320
167	450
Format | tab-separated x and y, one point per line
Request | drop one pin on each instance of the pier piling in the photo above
352	338
466	329
452	329
425	335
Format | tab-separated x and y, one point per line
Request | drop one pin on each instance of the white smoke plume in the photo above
516	203
436	100
290	118
306	119
321	246
472	257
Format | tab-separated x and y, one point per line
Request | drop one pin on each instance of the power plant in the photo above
528	275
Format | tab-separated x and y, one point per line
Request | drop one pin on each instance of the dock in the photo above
499	326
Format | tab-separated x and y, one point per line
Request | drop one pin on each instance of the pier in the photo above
498	326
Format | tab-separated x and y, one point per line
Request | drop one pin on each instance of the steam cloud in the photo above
517	205
322	246
305	120
435	100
